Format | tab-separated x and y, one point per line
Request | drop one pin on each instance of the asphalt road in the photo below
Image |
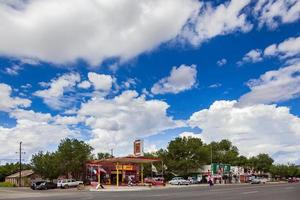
232	192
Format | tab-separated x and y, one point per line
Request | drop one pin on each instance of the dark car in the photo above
35	184
43	185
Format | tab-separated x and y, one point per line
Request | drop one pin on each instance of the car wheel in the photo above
66	186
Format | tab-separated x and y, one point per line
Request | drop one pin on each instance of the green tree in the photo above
46	165
279	171
185	155
72	155
224	152
101	156
241	161
264	162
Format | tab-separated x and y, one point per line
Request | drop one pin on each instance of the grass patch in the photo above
7	184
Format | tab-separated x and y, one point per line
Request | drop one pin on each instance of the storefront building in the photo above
118	171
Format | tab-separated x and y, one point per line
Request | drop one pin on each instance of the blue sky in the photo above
109	73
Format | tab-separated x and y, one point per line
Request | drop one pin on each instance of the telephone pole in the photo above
20	162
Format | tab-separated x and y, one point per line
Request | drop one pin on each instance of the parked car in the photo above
66	183
43	185
293	180
179	181
255	181
155	181
193	180
35	184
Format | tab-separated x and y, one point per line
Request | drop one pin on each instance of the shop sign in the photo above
138	148
124	167
127	167
220	169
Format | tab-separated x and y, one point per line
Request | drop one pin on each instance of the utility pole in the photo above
20	162
112	152
211	153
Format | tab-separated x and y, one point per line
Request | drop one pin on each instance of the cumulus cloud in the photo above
253	56
84	85
37	131
253	129
7	102
286	49
274	86
116	122
275	12
189	134
109	29
181	78
54	95
13	70
226	18
222	62
100	81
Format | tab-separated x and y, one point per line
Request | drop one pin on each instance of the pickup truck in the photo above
66	183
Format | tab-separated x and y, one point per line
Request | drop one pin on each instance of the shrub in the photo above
6	184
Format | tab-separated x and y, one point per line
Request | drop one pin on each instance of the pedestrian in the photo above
210	183
129	181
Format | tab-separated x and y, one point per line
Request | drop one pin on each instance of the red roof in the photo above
127	159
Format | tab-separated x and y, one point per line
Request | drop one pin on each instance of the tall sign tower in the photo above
138	148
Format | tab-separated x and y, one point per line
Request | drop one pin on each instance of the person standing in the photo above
210	183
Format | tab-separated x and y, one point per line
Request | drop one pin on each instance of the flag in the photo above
102	170
153	168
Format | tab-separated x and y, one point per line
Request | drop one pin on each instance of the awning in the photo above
135	160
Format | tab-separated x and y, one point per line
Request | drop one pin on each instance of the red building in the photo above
118	170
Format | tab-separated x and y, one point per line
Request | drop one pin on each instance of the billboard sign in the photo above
220	169
138	148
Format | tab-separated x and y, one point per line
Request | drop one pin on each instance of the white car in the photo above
179	181
66	183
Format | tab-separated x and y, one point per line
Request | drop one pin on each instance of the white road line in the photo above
250	192
289	188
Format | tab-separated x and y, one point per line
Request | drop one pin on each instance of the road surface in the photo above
232	192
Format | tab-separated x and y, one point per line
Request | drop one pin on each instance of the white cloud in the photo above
7	102
221	62
221	20
36	130
181	78
274	86
275	12
255	55
130	82
13	70
56	31
116	122
253	129
286	49
53	96
84	84
100	81
189	134
216	85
